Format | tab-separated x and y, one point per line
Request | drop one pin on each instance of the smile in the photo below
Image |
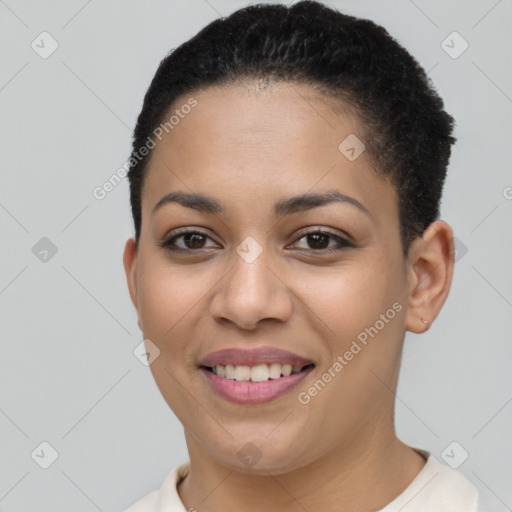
257	373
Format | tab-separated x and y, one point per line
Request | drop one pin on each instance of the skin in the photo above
249	148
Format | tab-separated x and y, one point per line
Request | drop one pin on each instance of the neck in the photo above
341	479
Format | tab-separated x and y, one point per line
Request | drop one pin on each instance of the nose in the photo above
252	292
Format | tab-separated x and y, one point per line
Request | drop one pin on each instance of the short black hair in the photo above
407	133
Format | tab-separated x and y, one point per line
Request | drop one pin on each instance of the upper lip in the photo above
253	357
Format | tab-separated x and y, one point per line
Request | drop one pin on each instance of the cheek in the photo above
169	304
349	297
362	307
370	314
169	300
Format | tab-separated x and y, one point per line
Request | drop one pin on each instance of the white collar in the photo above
437	487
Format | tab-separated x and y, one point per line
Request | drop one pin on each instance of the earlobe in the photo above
130	267
431	263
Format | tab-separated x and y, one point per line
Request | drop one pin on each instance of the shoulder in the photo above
451	488
166	498
146	504
437	488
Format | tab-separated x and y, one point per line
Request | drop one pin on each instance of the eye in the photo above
192	239
318	240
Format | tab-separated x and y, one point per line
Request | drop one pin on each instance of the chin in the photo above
260	454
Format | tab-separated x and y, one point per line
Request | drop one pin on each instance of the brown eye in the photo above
194	240
318	241
186	241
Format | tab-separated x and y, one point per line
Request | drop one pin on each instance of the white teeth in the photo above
286	370
242	373
258	373
230	371
275	371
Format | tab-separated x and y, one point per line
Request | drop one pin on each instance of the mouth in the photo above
254	376
256	373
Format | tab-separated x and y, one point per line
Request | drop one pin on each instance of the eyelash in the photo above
342	242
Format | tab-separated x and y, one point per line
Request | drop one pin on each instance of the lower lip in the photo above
248	392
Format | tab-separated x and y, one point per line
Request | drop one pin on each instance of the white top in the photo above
436	488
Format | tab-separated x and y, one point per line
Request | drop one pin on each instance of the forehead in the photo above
243	123
253	144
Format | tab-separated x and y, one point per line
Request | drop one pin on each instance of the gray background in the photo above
68	374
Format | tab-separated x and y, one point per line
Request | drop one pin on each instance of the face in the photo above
269	281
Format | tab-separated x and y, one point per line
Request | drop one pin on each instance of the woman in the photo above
285	180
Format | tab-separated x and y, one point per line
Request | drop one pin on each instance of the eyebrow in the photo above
295	204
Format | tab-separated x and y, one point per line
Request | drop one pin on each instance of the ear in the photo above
130	267
431	262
